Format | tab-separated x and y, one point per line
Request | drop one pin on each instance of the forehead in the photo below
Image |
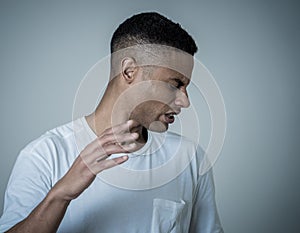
166	74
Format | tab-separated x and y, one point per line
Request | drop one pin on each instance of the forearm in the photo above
46	217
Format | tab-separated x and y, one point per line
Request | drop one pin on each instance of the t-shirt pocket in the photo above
166	216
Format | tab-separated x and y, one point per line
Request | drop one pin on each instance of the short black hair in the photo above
151	28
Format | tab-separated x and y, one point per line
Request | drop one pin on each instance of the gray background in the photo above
252	49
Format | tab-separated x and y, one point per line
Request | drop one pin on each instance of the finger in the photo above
95	151
124	127
109	163
117	148
113	149
97	146
121	128
102	157
133	124
124	138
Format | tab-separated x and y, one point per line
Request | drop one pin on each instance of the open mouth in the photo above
169	117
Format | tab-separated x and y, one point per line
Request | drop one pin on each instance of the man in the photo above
147	180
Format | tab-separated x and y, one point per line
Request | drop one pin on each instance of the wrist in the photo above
55	195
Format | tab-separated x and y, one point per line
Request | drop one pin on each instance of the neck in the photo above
108	114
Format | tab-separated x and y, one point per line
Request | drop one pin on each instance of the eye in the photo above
179	84
176	84
173	86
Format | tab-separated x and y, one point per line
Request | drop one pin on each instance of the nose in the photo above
182	99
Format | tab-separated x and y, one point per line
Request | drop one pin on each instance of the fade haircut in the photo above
151	28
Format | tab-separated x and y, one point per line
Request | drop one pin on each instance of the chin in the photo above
158	127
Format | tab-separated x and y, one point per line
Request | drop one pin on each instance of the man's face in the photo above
164	94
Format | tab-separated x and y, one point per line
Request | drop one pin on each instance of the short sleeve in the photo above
205	217
28	185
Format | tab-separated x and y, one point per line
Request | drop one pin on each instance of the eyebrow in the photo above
181	80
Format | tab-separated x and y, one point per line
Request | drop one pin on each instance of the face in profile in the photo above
161	97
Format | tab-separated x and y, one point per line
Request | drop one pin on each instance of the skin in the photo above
169	87
114	138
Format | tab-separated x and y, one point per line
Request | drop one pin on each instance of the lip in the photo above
169	117
169	120
173	112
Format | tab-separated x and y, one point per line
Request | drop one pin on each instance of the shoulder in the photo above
53	146
54	137
50	155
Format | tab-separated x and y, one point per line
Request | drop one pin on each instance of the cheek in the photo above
150	110
153	111
167	94
160	105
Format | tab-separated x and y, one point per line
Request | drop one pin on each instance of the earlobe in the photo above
128	69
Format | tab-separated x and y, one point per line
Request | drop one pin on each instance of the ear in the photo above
129	69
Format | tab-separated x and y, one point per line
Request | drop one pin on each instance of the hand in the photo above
93	159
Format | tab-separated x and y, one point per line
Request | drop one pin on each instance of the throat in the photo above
144	134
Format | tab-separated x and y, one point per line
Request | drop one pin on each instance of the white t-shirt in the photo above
157	190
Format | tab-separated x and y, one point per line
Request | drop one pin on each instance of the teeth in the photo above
170	115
